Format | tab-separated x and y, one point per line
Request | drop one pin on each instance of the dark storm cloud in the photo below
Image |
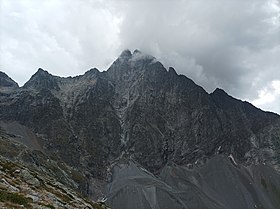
232	44
221	36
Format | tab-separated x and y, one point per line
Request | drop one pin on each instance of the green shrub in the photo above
48	206
13	198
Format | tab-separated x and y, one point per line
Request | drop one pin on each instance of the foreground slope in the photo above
30	179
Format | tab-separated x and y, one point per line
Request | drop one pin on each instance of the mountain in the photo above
138	116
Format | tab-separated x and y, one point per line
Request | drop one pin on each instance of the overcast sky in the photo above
231	44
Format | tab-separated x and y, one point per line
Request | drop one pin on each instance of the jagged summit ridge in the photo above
137	55
136	51
42	79
125	54
42	71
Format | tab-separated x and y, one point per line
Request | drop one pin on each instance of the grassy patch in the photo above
48	205
8	167
99	205
54	189
13	198
77	177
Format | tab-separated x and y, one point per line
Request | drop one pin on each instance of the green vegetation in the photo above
48	206
13	198
98	206
8	166
77	177
59	192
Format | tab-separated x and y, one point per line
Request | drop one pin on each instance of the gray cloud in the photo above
229	44
221	36
232	44
65	38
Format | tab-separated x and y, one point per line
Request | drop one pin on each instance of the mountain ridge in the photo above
127	72
139	110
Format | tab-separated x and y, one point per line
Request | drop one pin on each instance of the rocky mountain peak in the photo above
126	54
128	66
220	92
136	56
40	70
92	71
136	51
6	81
172	71
141	56
42	79
41	73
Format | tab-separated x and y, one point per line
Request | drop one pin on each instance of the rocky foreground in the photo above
25	185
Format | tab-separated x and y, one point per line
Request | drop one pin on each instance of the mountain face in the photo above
6	82
139	111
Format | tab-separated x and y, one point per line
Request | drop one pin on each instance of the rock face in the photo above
140	110
6	81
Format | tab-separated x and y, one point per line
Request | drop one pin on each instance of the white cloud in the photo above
64	37
269	97
231	44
